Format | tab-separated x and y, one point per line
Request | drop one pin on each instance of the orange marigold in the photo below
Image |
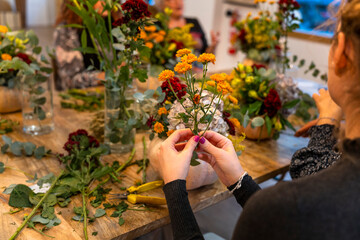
158	127
149	45
183	52
162	111
166	75
211	83
151	28
189	58
182	67
196	99
219	77
3	29
6	57
224	88
170	132
236	123
233	100
206	58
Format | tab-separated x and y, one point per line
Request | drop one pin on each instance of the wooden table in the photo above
262	160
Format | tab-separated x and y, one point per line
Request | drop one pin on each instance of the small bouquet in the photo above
257	37
164	42
260	102
18	50
194	104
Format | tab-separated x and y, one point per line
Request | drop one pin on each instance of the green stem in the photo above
212	117
41	232
84	213
144	161
26	174
36	208
178	98
204	75
121	168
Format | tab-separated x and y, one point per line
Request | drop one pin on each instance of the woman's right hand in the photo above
219	152
326	106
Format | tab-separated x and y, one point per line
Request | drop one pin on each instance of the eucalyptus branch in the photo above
27	219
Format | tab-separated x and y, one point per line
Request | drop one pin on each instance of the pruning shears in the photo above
132	194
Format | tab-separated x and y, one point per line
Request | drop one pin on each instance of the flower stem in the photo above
178	98
36	208
15	169
144	161
84	213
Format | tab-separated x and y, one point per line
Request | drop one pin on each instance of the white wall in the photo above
212	15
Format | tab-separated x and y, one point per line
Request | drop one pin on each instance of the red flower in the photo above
134	10
24	57
226	114
93	142
258	66
150	121
178	87
232	130
272	103
232	51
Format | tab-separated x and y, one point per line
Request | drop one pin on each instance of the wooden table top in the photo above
262	161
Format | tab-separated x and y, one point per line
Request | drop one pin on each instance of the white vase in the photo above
200	175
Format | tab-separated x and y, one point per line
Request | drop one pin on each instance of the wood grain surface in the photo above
262	160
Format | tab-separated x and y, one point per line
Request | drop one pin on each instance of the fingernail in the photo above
202	140
196	138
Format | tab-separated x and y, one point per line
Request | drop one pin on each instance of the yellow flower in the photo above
206	58
172	47
168	11
183	52
211	83
248	15
241	67
166	75
149	45
249	69
249	79
6	57
182	67
233	100
3	29
170	132
253	94
278	126
151	28
158	127
219	77
243	75
162	111
237	140
189	58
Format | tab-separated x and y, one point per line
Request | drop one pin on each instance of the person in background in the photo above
177	19
321	151
320	206
71	65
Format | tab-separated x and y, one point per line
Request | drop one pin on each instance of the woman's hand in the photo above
175	155
326	106
221	155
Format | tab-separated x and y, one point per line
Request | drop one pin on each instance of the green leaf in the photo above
64	203
99	212
40	101
9	189
48	212
19	196
94	233
84	39
121	221
78	218
39	219
2	167
254	107
7	140
29	148
53	222
16	148
4	148
33	180
268	124
301	63
257	122
37	50
291	104
40	152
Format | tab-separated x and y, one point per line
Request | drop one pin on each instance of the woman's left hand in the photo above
175	155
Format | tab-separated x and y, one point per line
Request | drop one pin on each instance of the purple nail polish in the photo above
196	138
202	140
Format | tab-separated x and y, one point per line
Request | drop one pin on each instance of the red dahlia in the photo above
272	103
177	86
24	57
134	10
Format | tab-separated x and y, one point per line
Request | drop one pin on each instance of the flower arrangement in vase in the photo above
21	69
120	50
195	104
257	37
260	107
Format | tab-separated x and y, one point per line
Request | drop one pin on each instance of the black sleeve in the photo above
248	188
198	29
318	155
270	214
183	221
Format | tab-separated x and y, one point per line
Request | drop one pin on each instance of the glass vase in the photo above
37	104
119	124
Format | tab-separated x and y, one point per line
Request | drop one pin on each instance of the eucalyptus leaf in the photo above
7	140
29	148
2	167
16	148
9	189
257	122
99	212
40	152
40	219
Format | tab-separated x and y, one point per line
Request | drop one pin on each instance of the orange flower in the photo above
166	75
233	100
159	38
219	77
183	52
170	132
6	57
224	88
143	34
236	124
196	99
158	127
189	58
182	67
149	45
211	83
206	58
3	29
162	32
162	111
151	28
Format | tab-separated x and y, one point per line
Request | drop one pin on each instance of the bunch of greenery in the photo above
7	125
82	100
116	44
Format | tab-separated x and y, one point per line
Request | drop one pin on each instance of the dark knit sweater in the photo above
321	206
